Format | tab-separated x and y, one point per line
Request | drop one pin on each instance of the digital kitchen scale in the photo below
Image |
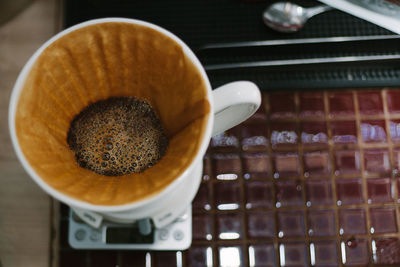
175	236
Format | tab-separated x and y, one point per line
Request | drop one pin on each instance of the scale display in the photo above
128	235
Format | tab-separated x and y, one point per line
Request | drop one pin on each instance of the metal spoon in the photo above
290	17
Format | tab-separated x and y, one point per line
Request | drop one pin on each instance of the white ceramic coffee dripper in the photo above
231	104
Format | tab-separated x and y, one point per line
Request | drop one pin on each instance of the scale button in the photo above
95	236
178	235
80	234
163	234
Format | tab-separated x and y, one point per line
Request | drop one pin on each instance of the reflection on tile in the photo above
261	224
324	253
341	103
321	223
377	161
396	161
291	223
282	105
258	195
200	256
394	128
373	131
227	166
319	192
316	163
349	191
134	258
383	220
229	226
207	172
202	226
230	256
286	164
379	190
386	251
370	102
311	104
226	141
202	199
354	252
352	221
314	133
262	254
393	101
344	132
254	137
227	195
293	254
256	165
347	162
166	258
288	193
283	134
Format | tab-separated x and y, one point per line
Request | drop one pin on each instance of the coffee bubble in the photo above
117	136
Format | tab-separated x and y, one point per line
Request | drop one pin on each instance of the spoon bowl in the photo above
290	17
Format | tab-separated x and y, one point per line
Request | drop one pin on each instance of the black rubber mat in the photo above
201	23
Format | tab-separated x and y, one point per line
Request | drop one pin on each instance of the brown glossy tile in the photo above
202	198
227	195
379	190
78	258
394	129
386	251
293	254
207	170
262	255
227	141
314	133
282	105
256	165
202	227
370	102
396	161
321	223
316	164
283	134
341	103
259	116
344	132
166	258
199	256
349	191
311	104
261	224
230	256
383	220
288	193
254	137
324	253
352	221
347	162
290	223
227	166
286	164
319	192
393	101
373	131
229	226
355	252
103	258
377	161
259	195
134	258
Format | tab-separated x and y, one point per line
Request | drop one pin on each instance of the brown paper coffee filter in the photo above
94	63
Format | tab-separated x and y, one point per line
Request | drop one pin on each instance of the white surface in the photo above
365	9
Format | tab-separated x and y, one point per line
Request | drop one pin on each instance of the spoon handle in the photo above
318	9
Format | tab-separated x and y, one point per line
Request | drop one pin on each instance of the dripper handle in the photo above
234	103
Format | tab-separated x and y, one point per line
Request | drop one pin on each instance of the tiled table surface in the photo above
312	179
